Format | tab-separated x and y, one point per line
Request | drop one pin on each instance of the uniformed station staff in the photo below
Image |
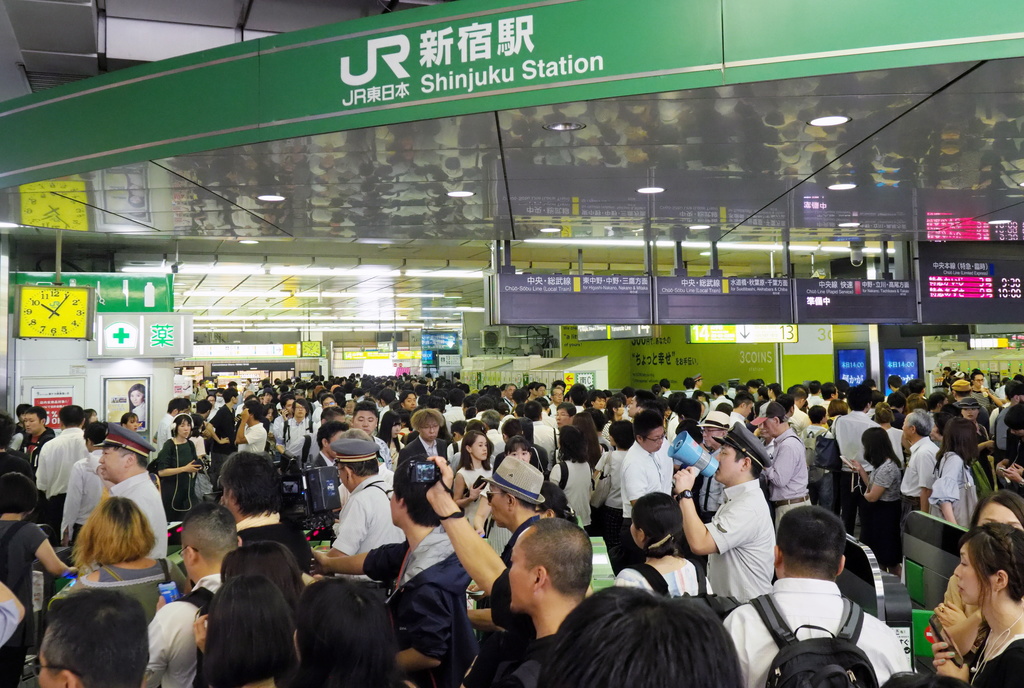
740	538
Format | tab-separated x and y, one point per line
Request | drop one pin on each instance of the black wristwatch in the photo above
685	494
457	514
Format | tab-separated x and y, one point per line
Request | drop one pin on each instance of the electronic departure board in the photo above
970	283
718	300
853	365
945	227
585	333
571	299
855	301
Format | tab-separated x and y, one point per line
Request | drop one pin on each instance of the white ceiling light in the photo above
849	224
550	230
288	271
705	253
460	194
461	274
845	186
999	222
9	225
270	198
248	242
829	121
217	269
229	317
142	269
237	293
650	190
700	227
565	126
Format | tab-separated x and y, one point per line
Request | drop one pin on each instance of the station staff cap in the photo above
118	436
353	450
743	441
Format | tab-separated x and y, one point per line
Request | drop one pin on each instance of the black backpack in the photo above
834	662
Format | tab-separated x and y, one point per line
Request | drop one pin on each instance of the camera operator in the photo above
428	605
252	493
365	521
740	538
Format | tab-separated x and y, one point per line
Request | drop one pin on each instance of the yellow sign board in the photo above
55	204
381	355
570	379
289	350
744	334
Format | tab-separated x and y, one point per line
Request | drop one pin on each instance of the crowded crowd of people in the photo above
496	496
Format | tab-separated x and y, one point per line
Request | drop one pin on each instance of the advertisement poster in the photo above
124	394
902	362
53	399
853	365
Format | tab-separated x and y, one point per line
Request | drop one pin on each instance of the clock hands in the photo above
53	311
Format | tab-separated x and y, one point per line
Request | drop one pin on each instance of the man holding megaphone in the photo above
740	539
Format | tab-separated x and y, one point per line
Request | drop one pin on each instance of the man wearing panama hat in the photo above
123	462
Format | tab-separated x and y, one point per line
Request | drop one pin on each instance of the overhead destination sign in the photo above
571	299
968	283
744	334
590	333
717	300
830	301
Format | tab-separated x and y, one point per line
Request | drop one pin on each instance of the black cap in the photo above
743	441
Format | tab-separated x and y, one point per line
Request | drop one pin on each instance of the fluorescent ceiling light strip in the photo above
144	269
454	274
200	269
228	317
237	293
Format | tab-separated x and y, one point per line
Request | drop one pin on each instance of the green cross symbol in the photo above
121	335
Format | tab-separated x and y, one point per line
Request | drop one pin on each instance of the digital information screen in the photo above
572	299
440	341
853	365
968	283
590	333
902	362
837	301
945	227
717	300
428	358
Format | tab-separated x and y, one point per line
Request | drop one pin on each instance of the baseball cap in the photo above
773	410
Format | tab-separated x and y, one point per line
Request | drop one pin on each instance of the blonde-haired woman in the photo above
112	552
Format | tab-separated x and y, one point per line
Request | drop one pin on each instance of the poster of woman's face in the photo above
126	395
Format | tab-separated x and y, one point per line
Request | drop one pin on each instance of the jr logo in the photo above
375	46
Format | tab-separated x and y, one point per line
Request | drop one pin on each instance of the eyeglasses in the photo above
38	666
654	439
492	494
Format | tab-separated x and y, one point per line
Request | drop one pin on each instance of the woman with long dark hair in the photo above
953	494
177	465
344	638
572	471
882	506
657	530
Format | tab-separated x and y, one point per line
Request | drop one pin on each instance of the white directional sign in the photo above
743	334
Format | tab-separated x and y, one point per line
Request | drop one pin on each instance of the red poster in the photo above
53	399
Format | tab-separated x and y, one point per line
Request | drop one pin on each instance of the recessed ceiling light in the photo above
700	227
564	126
849	224
9	225
650	190
550	230
460	194
829	121
999	222
248	241
270	198
705	253
842	187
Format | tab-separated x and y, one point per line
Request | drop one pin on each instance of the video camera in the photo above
311	497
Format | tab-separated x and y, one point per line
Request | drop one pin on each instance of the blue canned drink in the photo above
169	591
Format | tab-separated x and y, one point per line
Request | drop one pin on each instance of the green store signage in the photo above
116	292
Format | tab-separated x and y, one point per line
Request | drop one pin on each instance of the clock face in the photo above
54	312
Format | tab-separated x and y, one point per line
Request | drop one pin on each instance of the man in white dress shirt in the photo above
365	521
916	487
85	487
808	558
646	468
208	534
123	462
56	459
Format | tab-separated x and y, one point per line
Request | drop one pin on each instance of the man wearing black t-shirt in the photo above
552	564
252	493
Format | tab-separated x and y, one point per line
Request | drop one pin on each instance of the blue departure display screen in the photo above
853	365
902	362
